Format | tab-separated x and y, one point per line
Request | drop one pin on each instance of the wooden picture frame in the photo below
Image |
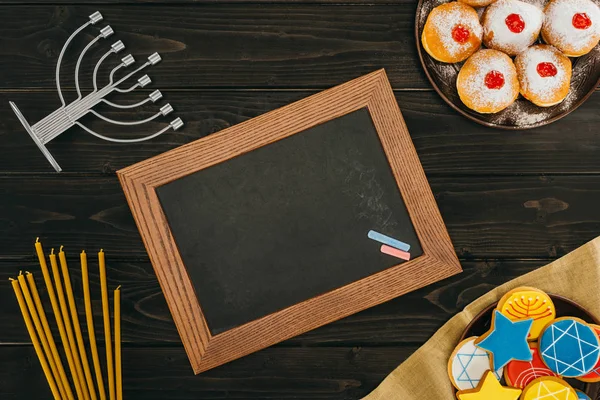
141	180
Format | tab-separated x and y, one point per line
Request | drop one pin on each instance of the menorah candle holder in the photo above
68	115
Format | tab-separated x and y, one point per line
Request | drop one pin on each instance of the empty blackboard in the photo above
259	232
287	222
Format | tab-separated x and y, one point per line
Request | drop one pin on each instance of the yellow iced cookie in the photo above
549	387
527	302
489	389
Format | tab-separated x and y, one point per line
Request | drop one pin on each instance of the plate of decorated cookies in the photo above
529	346
510	64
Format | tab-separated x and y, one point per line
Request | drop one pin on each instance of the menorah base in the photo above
35	139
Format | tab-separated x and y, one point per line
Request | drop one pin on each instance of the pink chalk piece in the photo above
395	252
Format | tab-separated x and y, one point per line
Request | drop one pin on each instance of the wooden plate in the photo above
521	114
564	308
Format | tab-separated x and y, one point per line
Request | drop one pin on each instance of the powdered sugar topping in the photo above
538	3
543	87
496	27
474	84
444	21
559	24
520	113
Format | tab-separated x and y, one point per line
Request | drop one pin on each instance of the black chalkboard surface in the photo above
288	221
260	232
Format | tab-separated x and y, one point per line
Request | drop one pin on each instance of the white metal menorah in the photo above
67	116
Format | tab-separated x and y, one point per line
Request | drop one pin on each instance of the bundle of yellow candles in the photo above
64	309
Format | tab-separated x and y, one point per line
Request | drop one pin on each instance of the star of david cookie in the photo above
569	347
547	388
527	302
506	340
467	365
489	388
519	374
594	375
582	396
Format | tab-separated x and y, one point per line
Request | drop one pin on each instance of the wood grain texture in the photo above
198	2
406	320
487	217
229	51
206	351
164	373
447	143
269	46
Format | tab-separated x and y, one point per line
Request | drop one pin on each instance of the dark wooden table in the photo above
512	201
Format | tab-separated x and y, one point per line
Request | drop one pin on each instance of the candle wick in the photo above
27	273
52	252
20	273
11	279
61	248
37	239
82	251
118	287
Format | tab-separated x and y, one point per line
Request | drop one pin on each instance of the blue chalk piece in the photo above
381	238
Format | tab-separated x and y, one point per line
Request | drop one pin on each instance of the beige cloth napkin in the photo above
424	376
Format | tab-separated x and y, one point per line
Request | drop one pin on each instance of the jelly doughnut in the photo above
452	32
487	82
511	26
477	3
572	26
544	75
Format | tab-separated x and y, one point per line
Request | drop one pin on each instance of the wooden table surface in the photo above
512	201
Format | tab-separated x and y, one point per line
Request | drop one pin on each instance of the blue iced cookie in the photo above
582	396
569	347
506	340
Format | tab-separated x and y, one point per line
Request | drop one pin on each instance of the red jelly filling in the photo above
546	69
494	80
460	34
515	23
581	21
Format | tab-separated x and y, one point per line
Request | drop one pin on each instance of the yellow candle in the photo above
34	340
77	328
66	333
90	324
107	333
61	331
118	373
48	281
44	336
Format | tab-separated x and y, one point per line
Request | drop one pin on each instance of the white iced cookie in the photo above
467	365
